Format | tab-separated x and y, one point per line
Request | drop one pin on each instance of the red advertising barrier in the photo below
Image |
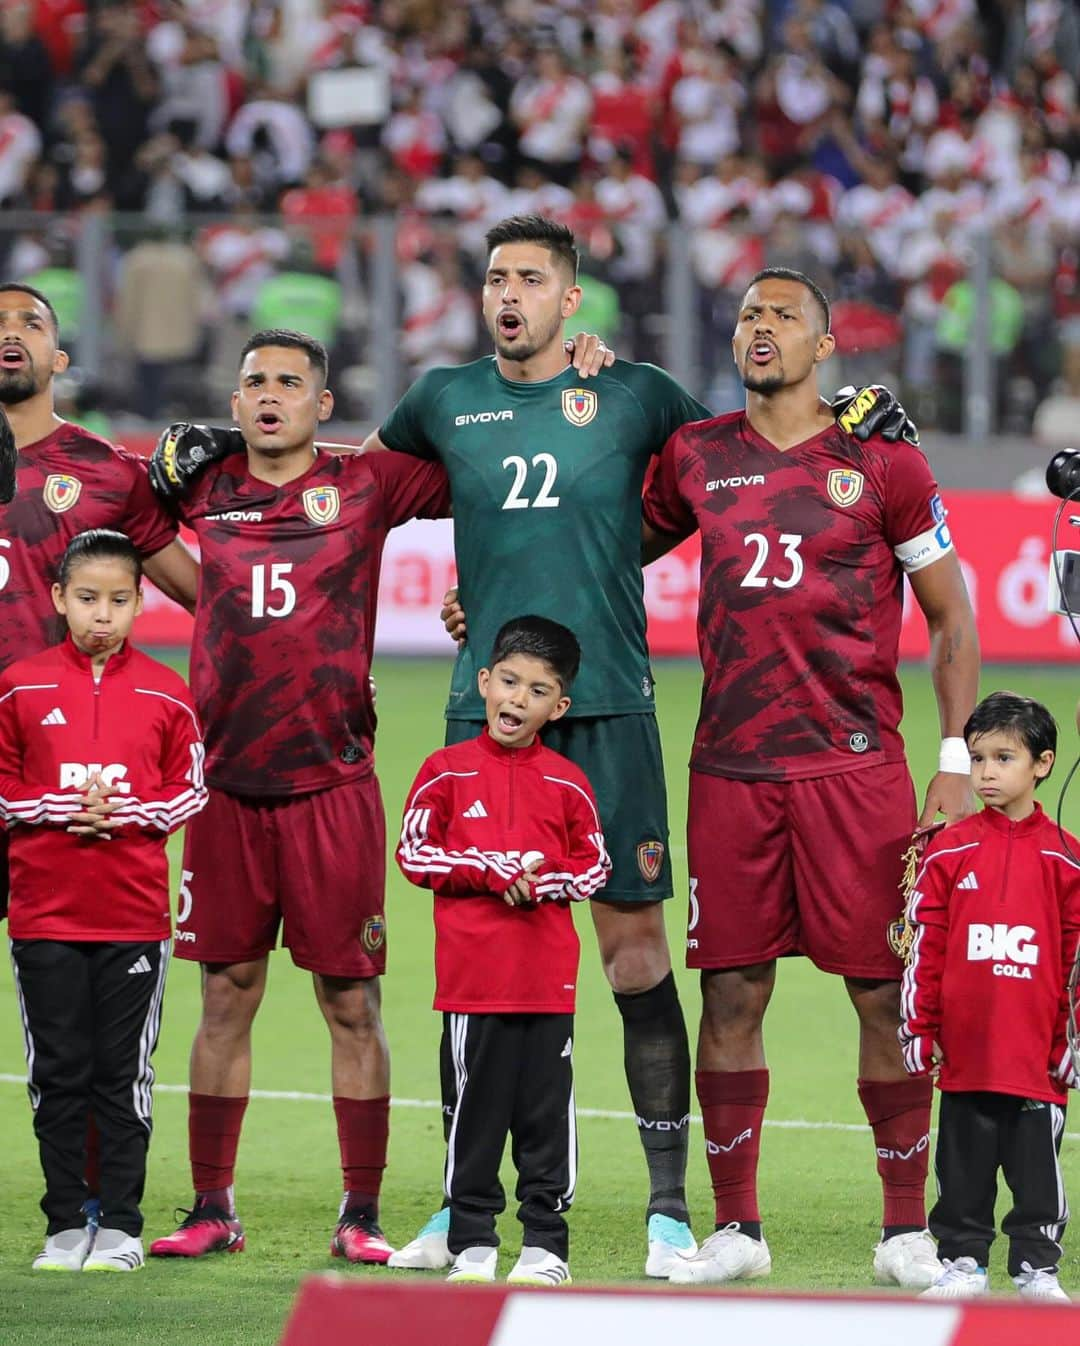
381	1313
1003	541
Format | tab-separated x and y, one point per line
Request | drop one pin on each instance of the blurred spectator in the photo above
415	137
240	253
1024	258
634	208
439	325
623	112
551	107
322	210
881	209
25	66
20	145
299	297
471	196
193	80
159	316
274	134
114	68
706	102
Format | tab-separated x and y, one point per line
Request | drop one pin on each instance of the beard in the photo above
526	346
17	385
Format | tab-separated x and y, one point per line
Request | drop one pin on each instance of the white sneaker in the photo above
909	1260
115	1251
65	1251
474	1265
669	1242
962	1279
428	1251
727	1255
1039	1283
536	1266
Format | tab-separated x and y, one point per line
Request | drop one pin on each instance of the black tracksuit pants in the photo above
513	1075
978	1133
91	1014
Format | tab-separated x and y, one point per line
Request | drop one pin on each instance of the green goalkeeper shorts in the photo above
620	754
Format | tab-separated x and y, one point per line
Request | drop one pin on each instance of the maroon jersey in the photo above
803	554
135	727
68	482
283	627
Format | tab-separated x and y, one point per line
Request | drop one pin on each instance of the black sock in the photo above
891	1230
751	1228
656	1054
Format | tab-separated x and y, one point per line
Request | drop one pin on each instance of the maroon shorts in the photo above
315	863
809	866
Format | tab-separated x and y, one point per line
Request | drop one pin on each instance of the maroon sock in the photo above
213	1136
363	1127
732	1108
93	1157
899	1115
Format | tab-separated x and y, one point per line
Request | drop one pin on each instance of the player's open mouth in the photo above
510	324
761	352
268	423
509	724
13	357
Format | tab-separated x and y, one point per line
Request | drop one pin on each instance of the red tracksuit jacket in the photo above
996	908
476	815
138	728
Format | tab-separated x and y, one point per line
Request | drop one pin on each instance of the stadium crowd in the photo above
862	141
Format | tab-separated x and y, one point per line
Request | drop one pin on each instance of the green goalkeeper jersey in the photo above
546	481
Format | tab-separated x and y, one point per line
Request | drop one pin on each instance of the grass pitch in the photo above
820	1195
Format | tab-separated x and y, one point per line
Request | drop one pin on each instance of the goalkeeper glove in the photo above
8	458
183	451
873	410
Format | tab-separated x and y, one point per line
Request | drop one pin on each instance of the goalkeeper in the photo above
996	917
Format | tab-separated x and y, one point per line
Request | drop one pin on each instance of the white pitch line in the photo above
604	1114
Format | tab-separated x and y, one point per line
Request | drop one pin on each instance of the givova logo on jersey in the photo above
1009	947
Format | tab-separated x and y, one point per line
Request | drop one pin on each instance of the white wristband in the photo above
954	756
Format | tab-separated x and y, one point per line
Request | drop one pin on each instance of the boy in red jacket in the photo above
996	911
101	758
506	834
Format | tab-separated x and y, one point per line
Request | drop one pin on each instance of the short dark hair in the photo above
557	238
800	278
42	298
1019	716
99	544
540	638
299	341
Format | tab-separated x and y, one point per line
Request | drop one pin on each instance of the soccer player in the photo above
291	542
996	914
800	799
90	921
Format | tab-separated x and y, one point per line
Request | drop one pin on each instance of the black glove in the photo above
873	410
9	456
183	451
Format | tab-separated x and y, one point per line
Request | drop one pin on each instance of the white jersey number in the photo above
278	584
520	468
186	899
754	579
5	564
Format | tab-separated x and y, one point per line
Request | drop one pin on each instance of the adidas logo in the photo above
55	716
968	881
142	965
475	810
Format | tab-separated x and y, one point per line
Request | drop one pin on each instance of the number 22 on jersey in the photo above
543	499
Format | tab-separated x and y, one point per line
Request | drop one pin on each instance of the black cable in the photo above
1073	495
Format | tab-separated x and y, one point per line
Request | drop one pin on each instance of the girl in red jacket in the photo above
100	759
996	911
506	834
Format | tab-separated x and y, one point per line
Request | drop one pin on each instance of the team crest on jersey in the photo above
61	491
322	504
650	857
579	405
373	934
844	486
